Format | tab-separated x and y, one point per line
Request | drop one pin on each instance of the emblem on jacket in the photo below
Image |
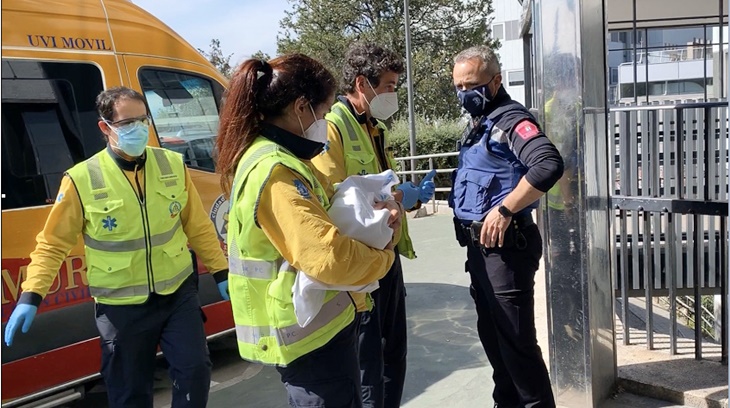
175	208
109	223
219	216
302	189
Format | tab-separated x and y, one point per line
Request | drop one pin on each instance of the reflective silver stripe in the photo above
132	244
175	280
96	176
287	336
140	290
252	334
255	269
340	112
163	163
255	156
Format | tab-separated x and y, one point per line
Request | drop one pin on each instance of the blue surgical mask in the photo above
132	138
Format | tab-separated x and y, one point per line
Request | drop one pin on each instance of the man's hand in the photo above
410	194
427	187
495	225
22	316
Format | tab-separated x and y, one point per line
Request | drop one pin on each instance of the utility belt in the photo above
468	234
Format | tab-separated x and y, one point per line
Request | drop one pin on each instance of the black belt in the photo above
513	236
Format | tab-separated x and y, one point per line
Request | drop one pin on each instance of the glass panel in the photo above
498	31
184	109
49	123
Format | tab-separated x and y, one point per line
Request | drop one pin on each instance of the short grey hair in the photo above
485	54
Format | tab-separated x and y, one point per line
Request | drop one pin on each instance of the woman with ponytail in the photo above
271	127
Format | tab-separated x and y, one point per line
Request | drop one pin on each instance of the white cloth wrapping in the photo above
352	212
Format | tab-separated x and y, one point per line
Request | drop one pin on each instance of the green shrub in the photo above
439	136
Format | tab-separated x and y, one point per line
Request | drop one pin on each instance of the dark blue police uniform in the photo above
497	150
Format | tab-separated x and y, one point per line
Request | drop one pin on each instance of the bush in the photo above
439	136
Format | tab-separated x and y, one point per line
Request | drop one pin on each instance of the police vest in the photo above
488	170
133	246
261	292
360	158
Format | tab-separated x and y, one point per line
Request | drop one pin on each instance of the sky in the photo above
242	26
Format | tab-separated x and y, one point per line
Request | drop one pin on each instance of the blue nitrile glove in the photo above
22	315
410	194
223	289
428	187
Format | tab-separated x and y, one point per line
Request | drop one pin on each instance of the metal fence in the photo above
671	195
671	202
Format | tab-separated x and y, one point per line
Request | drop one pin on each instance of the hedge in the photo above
432	137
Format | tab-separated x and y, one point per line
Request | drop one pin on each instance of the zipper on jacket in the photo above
146	228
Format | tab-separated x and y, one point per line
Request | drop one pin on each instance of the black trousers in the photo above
383	342
129	338
503	291
328	377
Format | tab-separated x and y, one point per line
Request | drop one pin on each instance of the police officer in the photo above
505	165
137	209
358	144
272	125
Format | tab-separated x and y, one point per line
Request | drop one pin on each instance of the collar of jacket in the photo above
361	118
500	99
300	147
125	164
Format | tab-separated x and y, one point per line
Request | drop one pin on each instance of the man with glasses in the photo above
506	163
137	209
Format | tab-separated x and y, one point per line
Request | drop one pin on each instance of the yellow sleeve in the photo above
200	230
300	229
61	232
331	163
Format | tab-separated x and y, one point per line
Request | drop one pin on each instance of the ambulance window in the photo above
184	109
49	123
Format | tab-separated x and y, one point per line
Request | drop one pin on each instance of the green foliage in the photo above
438	136
216	57
323	29
261	55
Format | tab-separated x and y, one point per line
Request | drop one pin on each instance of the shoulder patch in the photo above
526	129
302	189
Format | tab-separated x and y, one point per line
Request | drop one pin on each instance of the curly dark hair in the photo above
106	100
371	61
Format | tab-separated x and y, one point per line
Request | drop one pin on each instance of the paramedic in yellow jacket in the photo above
271	127
358	144
137	210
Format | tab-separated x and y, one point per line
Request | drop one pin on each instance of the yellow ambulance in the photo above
56	57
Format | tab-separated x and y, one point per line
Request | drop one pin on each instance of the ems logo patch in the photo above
109	223
219	216
175	208
59	198
526	129
302	189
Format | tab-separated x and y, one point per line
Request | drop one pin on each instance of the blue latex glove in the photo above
428	187
22	315
223	289
410	194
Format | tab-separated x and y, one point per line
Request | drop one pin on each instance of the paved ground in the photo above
447	366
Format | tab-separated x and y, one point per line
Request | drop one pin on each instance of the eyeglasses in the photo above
145	120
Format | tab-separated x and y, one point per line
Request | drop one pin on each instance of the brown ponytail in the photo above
259	91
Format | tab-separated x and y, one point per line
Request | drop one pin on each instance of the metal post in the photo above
409	84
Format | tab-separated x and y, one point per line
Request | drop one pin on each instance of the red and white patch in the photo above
527	129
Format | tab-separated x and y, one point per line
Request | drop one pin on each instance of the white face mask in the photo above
384	105
317	131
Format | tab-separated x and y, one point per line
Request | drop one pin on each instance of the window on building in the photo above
184	110
516	78
498	31
49	123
